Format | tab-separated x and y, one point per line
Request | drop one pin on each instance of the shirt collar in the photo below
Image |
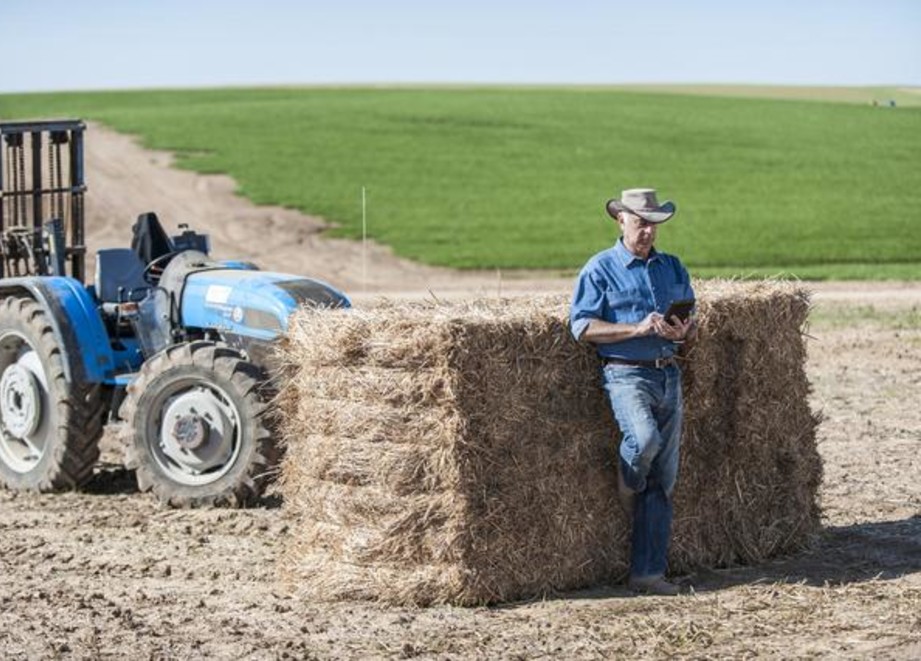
627	258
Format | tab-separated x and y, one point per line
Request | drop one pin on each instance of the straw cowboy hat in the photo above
642	202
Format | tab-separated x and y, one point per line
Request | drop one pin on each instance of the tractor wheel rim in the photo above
197	434
20	401
23	404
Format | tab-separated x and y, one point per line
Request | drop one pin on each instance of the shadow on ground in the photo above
879	550
111	479
842	555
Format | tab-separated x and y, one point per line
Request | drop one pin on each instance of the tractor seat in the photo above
120	268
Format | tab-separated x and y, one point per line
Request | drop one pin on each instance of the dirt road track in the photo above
125	180
107	573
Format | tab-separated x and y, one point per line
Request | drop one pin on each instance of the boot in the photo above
653	585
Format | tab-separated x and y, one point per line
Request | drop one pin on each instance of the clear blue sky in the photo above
92	44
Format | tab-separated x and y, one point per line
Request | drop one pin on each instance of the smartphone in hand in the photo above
681	308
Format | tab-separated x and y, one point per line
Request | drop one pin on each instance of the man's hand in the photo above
650	325
675	331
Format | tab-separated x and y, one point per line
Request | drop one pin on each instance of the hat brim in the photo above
658	215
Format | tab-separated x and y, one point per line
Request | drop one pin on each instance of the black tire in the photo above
49	426
219	446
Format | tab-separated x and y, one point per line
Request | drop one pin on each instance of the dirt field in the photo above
109	574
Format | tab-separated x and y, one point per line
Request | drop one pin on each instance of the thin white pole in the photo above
364	241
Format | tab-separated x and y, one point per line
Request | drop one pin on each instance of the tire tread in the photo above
245	377
80	407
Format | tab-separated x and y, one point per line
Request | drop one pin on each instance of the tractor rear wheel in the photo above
199	427
49	426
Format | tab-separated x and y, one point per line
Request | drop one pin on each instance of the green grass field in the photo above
517	177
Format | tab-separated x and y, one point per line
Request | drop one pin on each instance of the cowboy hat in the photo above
641	202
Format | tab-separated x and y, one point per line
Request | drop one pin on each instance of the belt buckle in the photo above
663	362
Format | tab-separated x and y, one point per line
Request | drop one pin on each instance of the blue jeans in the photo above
648	407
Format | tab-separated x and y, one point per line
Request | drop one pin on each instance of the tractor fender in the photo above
75	322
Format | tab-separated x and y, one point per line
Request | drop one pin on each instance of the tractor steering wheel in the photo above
155	267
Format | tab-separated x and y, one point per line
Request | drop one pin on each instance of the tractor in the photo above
170	346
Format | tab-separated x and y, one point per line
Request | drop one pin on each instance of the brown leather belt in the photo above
658	363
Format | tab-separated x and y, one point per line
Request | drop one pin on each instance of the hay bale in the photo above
464	453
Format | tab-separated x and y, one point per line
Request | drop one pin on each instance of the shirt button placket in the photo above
652	287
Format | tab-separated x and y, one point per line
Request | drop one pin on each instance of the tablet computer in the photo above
681	308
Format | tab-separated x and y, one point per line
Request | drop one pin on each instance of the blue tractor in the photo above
169	344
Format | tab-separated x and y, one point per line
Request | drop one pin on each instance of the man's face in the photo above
639	234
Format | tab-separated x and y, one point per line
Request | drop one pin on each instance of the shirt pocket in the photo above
626	306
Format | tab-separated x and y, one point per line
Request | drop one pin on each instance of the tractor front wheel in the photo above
49	426
198	427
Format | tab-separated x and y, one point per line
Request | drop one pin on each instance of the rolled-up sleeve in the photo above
587	303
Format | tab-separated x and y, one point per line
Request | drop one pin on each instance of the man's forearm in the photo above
605	332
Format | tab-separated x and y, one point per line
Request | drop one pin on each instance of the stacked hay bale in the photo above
750	471
464	453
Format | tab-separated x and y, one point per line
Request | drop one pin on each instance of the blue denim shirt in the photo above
619	287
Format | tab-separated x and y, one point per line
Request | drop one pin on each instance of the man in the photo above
618	305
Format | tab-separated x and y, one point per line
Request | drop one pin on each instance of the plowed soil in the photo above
109	573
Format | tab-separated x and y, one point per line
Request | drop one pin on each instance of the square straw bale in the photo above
464	453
